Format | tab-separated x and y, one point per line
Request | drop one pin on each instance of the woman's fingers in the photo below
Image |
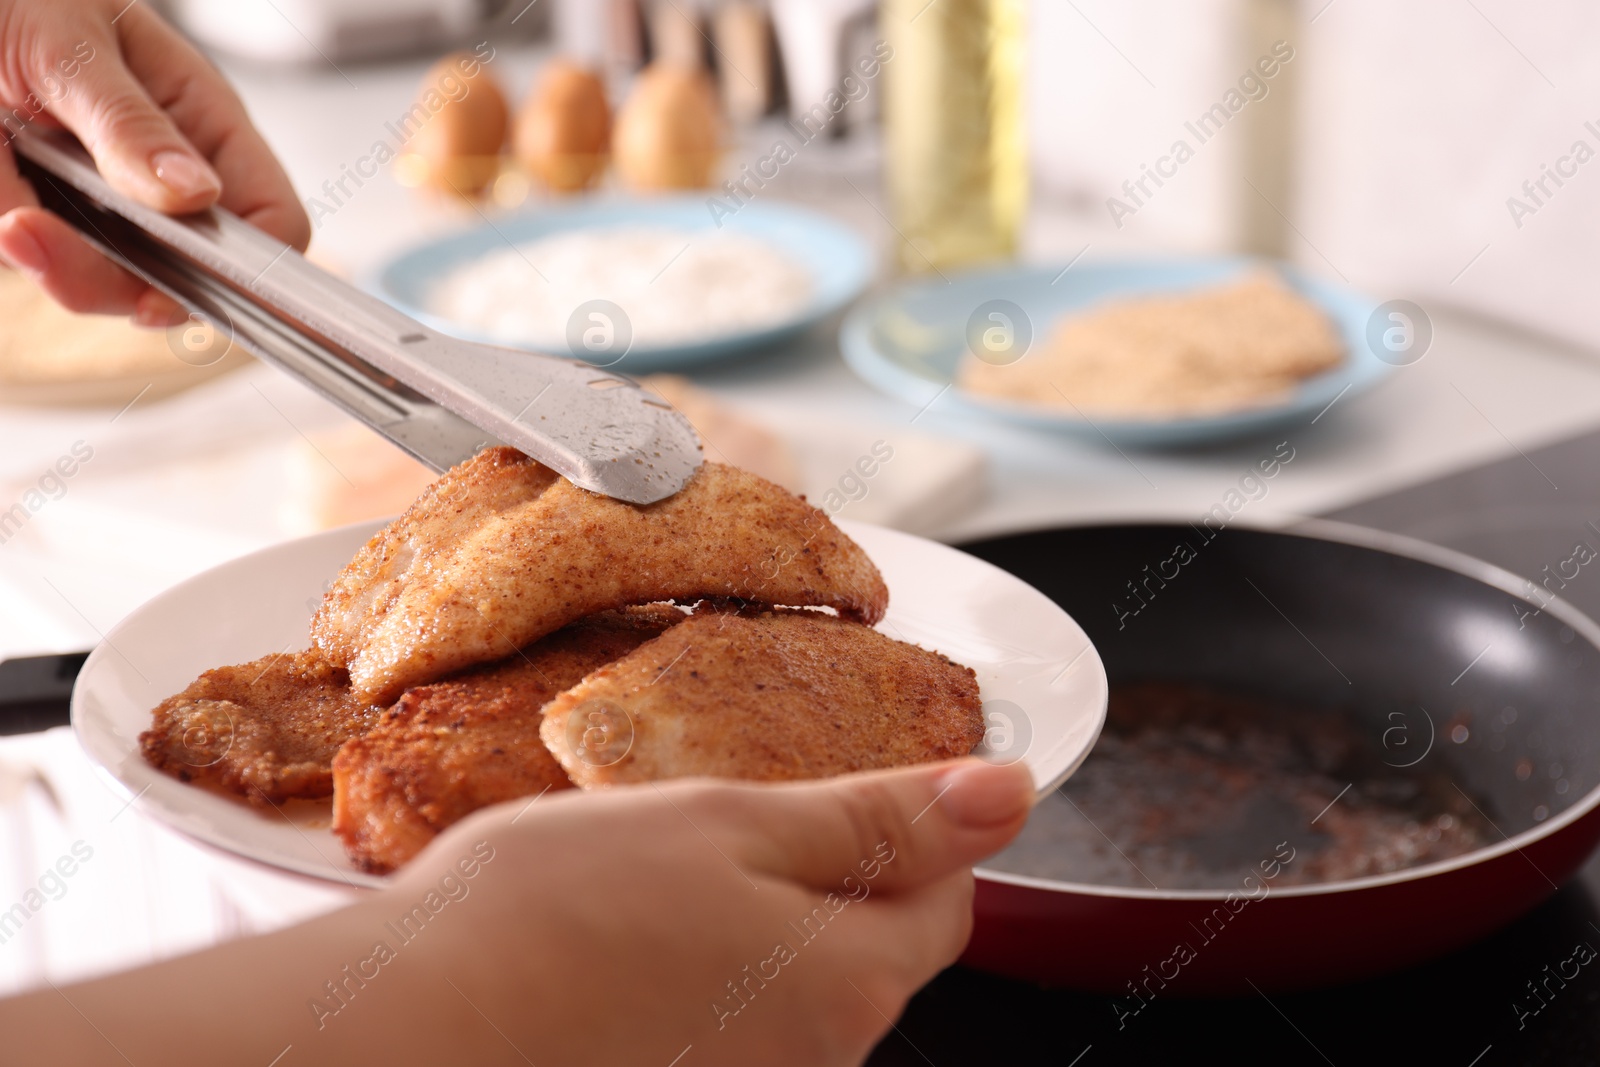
920	933
137	146
889	831
760	923
164	127
75	275
212	118
60	262
78	73
156	310
886	949
50	252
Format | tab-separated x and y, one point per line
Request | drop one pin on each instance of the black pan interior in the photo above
1507	693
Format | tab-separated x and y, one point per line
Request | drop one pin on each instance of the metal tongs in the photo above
439	398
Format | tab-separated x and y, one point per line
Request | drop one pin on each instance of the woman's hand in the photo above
163	127
693	923
759	924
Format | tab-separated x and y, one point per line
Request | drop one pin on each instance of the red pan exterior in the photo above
1123	945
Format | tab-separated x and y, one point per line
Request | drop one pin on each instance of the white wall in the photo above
1422	119
1414	124
1111	85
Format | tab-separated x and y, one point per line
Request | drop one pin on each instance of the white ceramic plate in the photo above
1043	685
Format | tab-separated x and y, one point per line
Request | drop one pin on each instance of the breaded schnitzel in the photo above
526	571
447	749
267	730
766	696
461	500
501	613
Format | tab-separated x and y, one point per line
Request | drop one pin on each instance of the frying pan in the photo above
1319	615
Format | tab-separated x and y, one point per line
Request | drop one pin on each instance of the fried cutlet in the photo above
567	553
267	730
447	749
461	500
765	696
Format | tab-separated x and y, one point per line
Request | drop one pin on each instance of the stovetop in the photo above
1470	1009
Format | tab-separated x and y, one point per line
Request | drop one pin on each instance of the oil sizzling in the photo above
1188	788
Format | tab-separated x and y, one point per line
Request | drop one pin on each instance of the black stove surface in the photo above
1535	514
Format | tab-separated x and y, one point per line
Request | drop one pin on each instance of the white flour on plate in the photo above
674	286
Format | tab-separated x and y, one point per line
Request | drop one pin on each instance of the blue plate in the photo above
839	262
910	341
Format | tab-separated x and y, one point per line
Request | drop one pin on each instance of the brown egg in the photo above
457	126
564	130
667	132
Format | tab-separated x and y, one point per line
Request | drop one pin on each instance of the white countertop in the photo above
179	485
182	484
1527	391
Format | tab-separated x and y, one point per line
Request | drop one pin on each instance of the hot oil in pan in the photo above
1191	788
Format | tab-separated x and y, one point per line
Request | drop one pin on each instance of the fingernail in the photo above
23	250
152	312
184	174
981	795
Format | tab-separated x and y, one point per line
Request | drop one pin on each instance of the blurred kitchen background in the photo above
1425	152
1386	151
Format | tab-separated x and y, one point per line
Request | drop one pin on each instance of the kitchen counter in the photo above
197	479
1481	391
180	485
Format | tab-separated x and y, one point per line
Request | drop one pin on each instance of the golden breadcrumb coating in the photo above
470	585
405	551
447	749
770	696
266	730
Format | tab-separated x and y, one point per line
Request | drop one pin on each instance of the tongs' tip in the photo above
638	478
